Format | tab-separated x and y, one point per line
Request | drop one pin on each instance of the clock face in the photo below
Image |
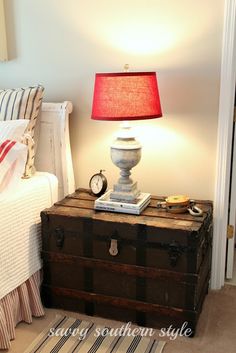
98	184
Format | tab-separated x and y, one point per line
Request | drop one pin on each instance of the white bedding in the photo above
20	233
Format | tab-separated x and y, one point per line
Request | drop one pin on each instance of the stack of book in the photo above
104	203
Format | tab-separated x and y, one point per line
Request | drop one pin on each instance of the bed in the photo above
20	236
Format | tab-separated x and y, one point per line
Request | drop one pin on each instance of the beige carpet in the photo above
216	331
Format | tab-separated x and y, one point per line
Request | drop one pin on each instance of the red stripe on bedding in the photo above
4	151
2	146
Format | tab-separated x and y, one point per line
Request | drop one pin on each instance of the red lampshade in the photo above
126	96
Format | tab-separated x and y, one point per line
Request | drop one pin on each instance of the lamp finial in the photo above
126	68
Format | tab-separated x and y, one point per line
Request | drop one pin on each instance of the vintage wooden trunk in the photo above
159	277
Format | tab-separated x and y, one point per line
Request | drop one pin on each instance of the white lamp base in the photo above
125	154
125	192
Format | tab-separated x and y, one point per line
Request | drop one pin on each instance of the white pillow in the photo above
13	157
23	103
13	129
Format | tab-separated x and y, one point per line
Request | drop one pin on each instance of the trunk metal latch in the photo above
113	251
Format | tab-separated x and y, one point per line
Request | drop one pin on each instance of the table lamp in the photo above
122	97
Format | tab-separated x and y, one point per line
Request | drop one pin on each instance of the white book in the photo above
104	203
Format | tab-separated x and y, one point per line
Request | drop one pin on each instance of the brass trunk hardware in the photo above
230	231
113	247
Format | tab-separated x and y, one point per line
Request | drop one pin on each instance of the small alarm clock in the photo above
98	183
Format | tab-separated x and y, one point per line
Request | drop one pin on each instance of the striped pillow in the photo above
23	103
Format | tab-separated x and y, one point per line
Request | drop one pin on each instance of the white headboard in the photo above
53	152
